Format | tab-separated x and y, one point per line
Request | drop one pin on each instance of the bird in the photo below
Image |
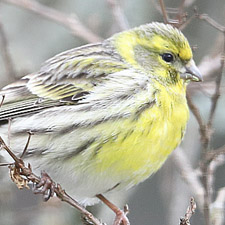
104	116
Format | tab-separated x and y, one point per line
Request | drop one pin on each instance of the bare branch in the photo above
163	10
118	14
186	23
198	117
210	21
207	133
189	213
214	153
18	171
216	95
71	22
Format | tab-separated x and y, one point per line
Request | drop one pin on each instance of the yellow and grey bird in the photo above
104	116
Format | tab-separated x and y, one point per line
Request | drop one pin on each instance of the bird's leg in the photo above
46	186
121	215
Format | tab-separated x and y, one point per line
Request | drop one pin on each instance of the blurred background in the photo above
163	199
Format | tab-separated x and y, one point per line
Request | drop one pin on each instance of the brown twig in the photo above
216	95
206	135
197	115
189	213
7	59
14	157
179	19
186	23
21	174
163	10
118	14
71	22
214	153
209	20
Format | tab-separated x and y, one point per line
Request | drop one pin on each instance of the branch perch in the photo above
22	174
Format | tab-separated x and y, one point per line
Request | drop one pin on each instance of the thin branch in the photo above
163	10
209	20
206	135
181	15
197	115
14	157
19	169
214	153
189	213
186	23
7	59
71	22
216	95
118	14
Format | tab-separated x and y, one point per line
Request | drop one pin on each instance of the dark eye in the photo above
167	57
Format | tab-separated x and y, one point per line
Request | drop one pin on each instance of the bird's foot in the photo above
46	186
121	216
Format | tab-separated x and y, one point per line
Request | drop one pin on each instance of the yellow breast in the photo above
142	146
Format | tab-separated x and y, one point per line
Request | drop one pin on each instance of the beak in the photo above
191	72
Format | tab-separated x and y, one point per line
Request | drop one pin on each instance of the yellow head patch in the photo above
155	37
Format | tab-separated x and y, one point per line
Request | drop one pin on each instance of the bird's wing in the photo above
64	79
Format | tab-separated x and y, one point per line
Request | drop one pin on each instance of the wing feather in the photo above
64	79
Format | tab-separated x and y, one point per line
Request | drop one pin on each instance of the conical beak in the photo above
192	72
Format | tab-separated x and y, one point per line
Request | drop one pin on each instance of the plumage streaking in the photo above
105	116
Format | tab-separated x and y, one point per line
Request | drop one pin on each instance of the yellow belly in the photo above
130	150
142	146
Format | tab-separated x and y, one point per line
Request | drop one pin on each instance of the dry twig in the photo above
189	213
21	175
179	16
206	132
163	11
206	135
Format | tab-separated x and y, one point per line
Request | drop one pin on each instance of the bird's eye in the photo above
167	57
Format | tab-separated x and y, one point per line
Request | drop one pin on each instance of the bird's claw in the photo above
46	186
121	217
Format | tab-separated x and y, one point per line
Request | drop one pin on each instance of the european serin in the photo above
104	116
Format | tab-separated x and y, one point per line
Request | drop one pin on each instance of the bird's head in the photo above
159	49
